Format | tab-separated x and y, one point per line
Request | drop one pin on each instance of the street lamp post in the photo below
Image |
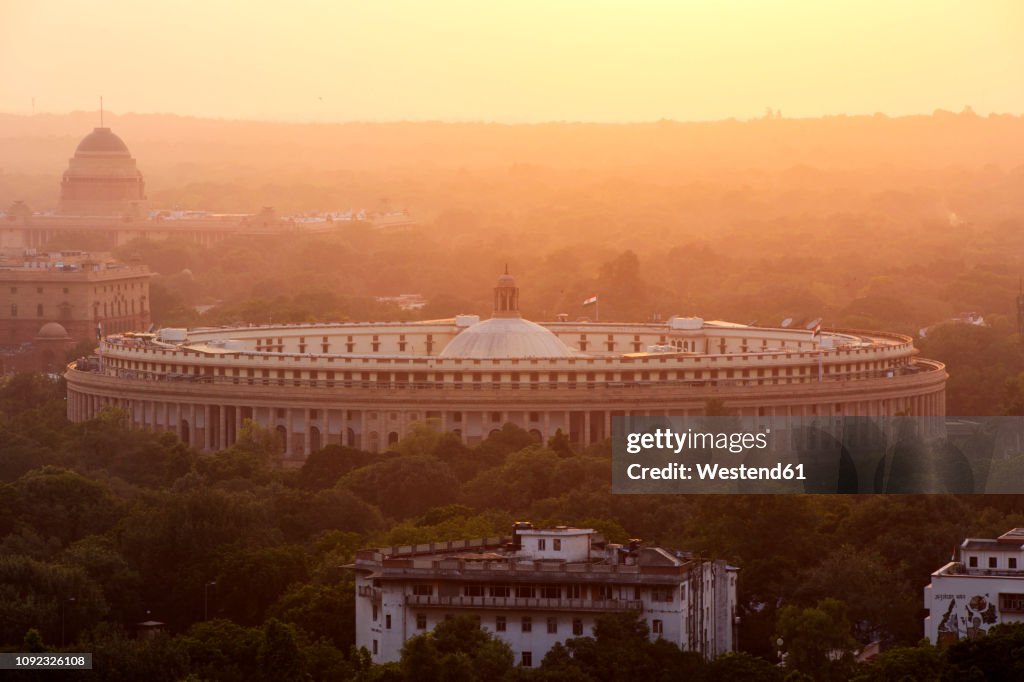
206	598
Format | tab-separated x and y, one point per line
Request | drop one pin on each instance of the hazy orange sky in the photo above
529	60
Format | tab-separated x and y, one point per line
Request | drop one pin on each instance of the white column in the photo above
222	434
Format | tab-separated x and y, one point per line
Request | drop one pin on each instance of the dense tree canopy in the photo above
104	527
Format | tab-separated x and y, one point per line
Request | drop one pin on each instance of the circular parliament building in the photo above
366	384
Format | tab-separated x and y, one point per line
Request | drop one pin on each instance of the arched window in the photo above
314	439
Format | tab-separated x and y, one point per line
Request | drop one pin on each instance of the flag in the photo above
590	301
99	331
816	331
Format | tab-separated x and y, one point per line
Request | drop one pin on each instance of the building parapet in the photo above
520	603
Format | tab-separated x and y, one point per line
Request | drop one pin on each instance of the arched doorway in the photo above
535	434
350	438
314	439
282	436
392	438
184	432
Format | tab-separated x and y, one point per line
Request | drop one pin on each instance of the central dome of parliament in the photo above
506	334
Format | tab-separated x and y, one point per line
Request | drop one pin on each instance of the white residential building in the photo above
981	587
539	587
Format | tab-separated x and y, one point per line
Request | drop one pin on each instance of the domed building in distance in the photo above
367	384
102	179
103	205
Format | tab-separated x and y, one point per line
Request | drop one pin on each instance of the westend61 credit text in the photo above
659	455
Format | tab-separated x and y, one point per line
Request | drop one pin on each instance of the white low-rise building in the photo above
981	587
539	587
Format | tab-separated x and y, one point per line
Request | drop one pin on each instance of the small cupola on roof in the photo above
506	297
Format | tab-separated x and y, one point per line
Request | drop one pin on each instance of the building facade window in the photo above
500	624
527	659
657	627
527	624
556	545
577	627
421	621
423	590
662	594
552	626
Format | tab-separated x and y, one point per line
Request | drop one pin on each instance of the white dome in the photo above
506	337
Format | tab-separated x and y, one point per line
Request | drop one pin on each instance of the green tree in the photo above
251	580
998	656
224	651
322	611
63	504
816	640
560	443
404	486
922	663
279	656
457	649
739	666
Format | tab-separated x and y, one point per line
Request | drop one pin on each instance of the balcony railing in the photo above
533	603
369	591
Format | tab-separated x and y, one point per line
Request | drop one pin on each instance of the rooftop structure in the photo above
981	586
540	586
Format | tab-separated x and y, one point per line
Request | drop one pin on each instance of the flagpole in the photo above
597	308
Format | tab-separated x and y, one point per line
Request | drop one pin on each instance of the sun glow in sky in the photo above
530	60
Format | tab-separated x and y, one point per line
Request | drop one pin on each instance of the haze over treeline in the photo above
240	165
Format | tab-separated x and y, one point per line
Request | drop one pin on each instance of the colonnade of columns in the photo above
305	429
